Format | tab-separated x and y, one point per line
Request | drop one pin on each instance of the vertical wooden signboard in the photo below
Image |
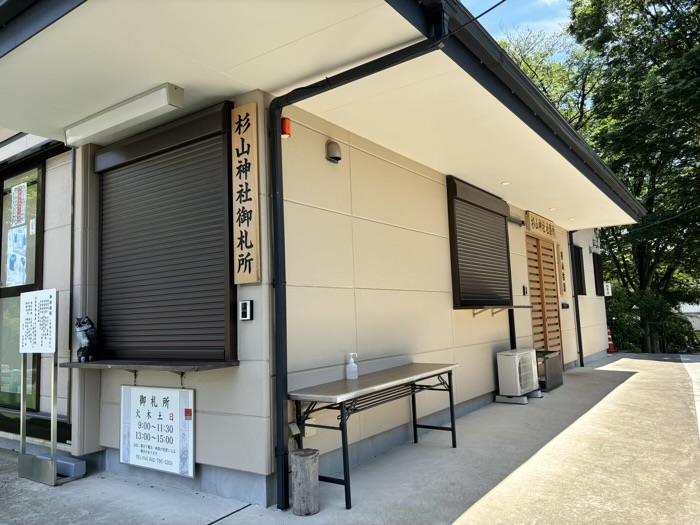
246	208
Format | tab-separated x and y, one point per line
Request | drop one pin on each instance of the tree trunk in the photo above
655	343
646	339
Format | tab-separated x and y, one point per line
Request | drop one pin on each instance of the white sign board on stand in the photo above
157	429
37	335
37	322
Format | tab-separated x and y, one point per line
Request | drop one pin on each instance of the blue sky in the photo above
547	15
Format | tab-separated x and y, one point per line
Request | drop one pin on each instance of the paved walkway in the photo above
614	445
632	459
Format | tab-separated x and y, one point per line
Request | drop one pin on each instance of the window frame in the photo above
40	166
578	271
598	272
207	123
473	196
9	172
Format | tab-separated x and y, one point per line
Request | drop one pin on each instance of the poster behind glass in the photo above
19	207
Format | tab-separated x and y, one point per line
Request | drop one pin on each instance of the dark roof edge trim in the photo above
33	21
13	138
32	155
479	42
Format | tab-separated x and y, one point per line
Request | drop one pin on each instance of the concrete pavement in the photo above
632	459
615	445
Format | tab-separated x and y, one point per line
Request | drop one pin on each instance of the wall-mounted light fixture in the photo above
112	123
333	153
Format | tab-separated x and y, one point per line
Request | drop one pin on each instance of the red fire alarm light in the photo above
286	128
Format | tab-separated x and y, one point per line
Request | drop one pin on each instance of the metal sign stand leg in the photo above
23	406
30	466
41	469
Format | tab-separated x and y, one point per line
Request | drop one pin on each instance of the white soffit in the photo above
431	111
107	51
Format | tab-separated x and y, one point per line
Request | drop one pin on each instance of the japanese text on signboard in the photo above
246	212
157	429
19	204
561	270
540	225
37	322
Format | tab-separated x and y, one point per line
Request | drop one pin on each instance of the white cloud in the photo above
552	25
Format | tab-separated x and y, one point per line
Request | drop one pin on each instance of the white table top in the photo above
346	389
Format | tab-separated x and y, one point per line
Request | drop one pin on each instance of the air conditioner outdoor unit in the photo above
517	372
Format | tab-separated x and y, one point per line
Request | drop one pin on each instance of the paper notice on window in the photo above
19	204
16	256
32	227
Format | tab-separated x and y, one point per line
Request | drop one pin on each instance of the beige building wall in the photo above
568	315
57	241
519	278
368	271
233	405
594	329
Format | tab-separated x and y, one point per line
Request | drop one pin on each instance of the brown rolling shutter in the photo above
478	247
482	256
163	255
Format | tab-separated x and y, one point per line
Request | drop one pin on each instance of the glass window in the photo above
19	230
10	357
20	271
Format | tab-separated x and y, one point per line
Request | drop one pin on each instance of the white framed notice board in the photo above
157	429
37	322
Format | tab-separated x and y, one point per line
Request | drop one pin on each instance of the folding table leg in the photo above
300	423
346	459
415	418
452	409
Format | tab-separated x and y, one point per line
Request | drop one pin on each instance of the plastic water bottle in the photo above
351	368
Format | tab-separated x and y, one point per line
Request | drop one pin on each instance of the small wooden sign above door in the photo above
538	224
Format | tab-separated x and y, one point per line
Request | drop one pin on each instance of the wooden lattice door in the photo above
544	294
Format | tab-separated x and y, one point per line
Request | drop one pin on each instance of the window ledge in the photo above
498	307
183	366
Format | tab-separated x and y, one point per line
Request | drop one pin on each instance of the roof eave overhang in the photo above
480	55
27	21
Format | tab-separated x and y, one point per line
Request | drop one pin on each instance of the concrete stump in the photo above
305	484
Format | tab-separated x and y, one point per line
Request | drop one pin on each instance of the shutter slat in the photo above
482	256
163	255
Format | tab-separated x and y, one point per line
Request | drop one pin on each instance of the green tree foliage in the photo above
565	72
646	126
630	84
